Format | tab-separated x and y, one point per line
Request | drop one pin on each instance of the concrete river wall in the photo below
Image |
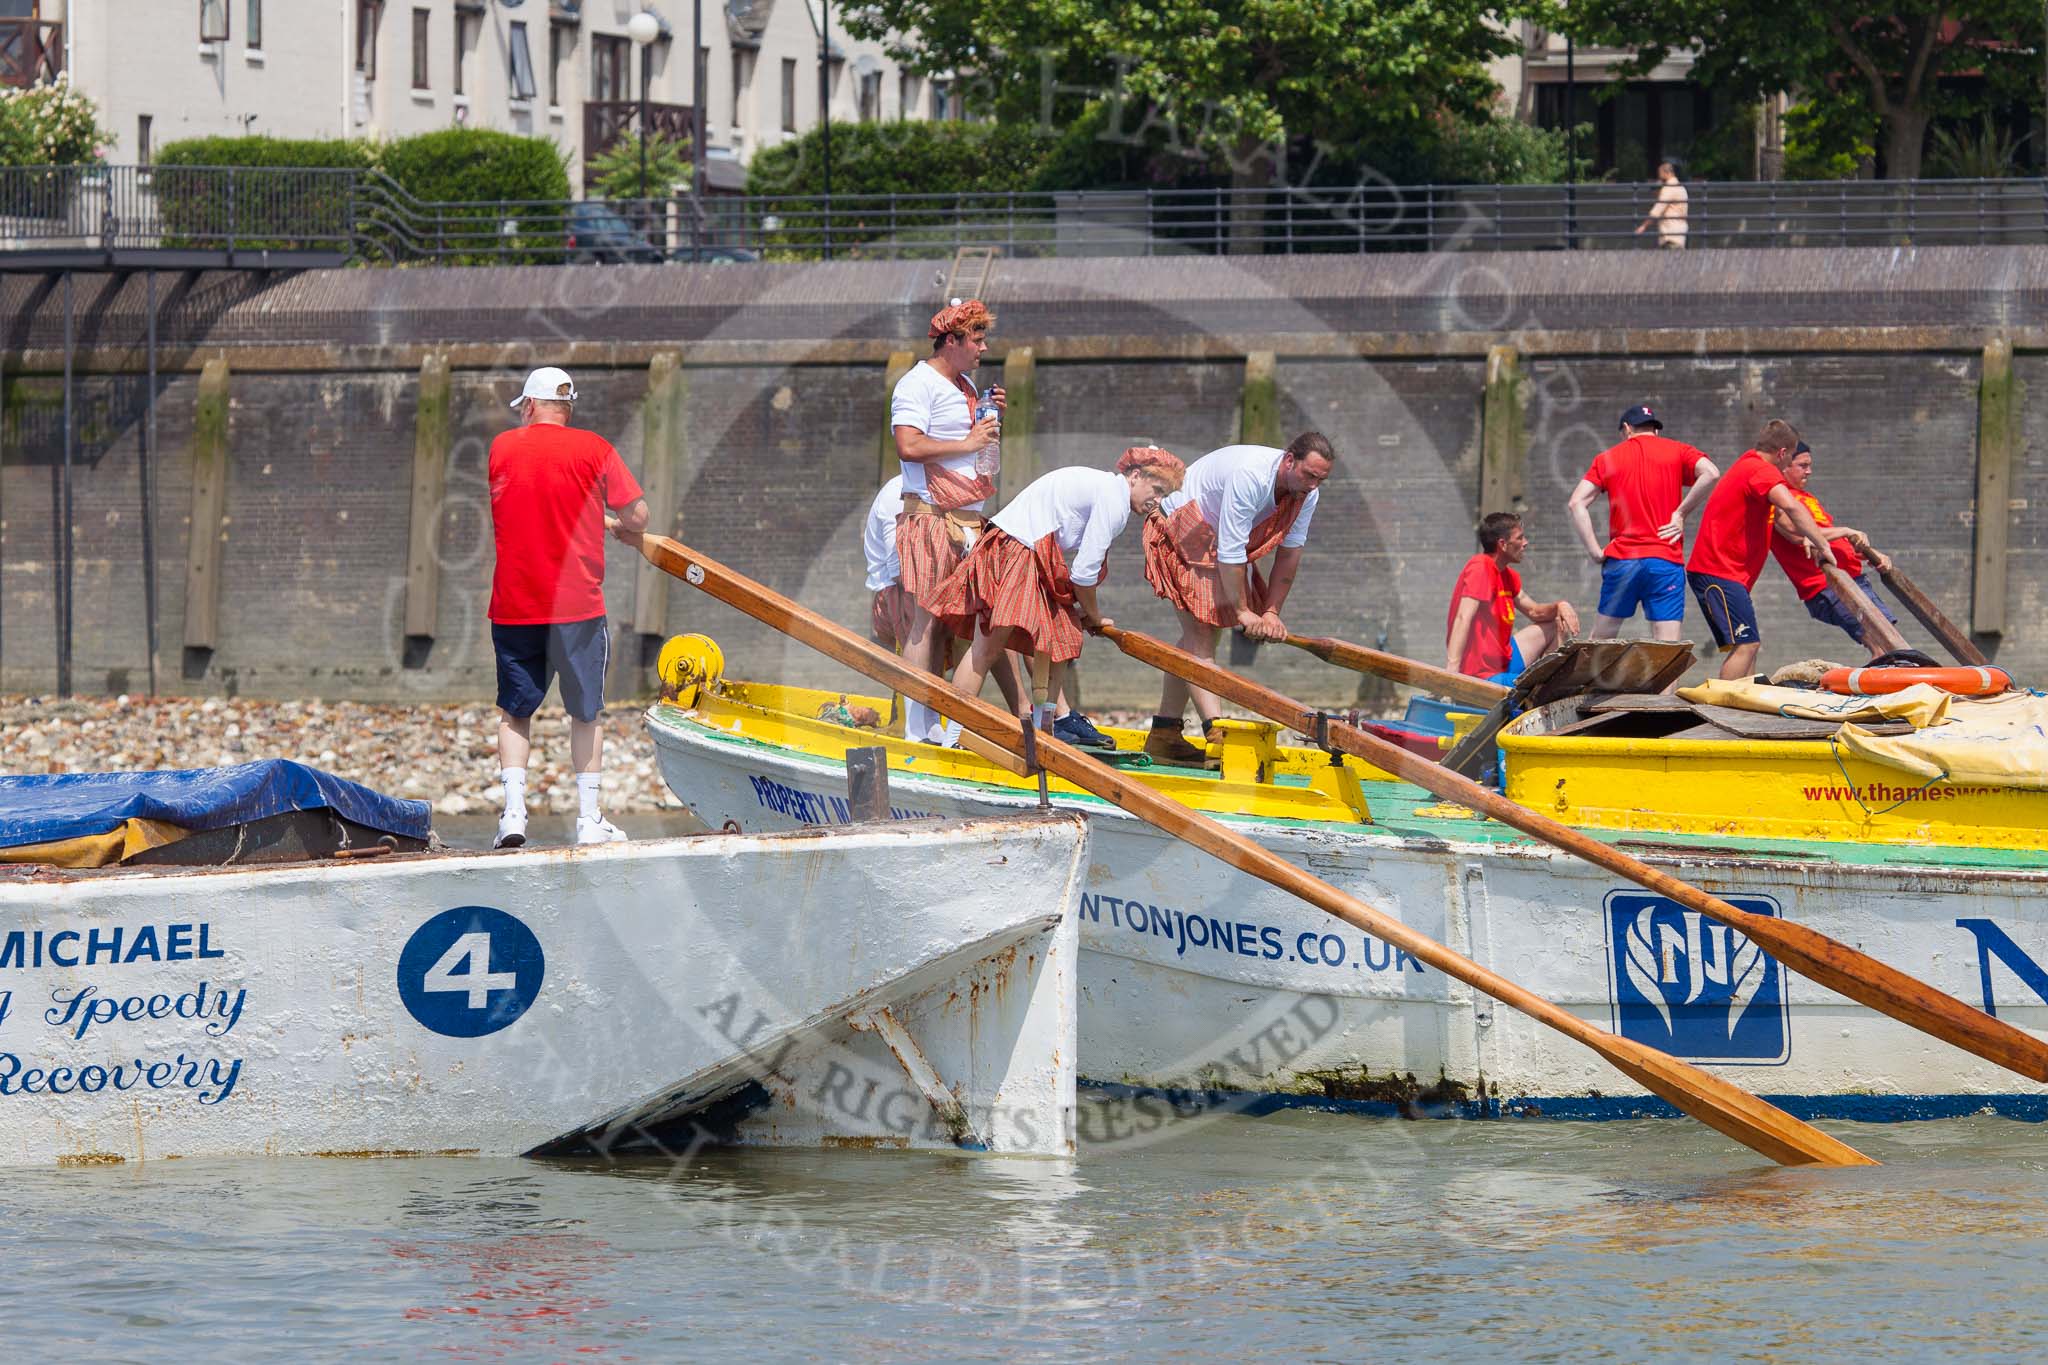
321	516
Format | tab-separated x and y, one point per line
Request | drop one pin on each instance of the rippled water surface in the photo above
1222	1237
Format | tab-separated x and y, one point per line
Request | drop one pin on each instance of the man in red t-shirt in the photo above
1809	579
1480	637
1651	483
1734	540
551	484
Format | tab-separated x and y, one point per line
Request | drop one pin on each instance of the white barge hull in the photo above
904	985
1197	977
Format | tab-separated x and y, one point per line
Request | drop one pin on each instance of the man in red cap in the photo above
1809	578
1652	482
551	484
949	473
1734	540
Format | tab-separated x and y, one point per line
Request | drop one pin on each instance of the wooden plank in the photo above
664	446
1259	412
1020	422
1761	725
1876	629
1503	442
430	449
1997	434
1959	645
209	507
1633	702
890	465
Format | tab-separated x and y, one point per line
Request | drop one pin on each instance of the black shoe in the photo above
1076	728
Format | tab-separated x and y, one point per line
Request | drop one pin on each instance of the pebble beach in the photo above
445	755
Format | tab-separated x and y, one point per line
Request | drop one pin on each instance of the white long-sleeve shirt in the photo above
936	406
1234	488
878	537
1082	509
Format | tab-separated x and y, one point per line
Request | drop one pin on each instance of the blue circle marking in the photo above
470	971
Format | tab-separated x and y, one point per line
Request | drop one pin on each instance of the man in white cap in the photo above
551	485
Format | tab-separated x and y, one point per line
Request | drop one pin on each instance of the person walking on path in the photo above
1236	506
1809	578
1029	583
551	485
1652	483
1734	540
1481	639
1670	210
949	472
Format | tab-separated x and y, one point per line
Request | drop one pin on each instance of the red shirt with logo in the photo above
1645	478
1734	537
1807	576
1489	646
550	486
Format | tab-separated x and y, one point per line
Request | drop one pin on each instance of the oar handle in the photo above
1457	687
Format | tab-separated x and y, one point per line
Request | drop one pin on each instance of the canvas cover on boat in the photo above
1997	741
90	819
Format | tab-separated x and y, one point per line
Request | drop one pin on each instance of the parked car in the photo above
713	255
597	232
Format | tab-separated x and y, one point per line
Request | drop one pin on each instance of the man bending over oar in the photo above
1735	538
1809	579
550	486
1029	583
1481	639
1238	505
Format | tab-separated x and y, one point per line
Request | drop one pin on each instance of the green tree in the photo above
1257	87
616	172
1894	56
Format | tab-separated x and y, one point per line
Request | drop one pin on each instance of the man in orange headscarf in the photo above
949	473
1237	505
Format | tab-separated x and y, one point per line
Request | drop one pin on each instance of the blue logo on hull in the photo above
1693	988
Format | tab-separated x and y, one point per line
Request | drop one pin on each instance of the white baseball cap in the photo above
548	384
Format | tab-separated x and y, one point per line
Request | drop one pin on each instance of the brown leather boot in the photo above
1171	746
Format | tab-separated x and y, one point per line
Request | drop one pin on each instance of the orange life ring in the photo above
1877	682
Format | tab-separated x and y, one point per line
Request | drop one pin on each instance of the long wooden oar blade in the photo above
1455	686
1957	643
1876	629
1723	1107
1835	965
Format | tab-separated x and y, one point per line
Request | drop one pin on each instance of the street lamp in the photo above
643	28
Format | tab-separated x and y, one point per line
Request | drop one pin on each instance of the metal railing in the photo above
310	215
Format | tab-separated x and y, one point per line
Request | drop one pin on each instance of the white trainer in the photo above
511	830
599	831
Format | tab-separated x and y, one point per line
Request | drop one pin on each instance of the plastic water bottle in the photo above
989	458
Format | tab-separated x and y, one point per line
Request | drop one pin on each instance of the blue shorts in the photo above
1730	613
531	657
1657	585
1831	610
1515	665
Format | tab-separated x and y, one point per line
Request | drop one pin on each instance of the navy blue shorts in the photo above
1730	613
531	657
1657	585
1831	610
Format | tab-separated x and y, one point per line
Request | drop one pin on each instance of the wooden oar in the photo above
1955	641
1722	1106
1876	629
1475	692
1835	965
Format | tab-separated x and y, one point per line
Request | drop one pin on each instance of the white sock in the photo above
586	792
515	791
918	721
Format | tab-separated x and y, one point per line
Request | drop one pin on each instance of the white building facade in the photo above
568	71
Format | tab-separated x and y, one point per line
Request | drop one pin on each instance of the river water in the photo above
1298	1235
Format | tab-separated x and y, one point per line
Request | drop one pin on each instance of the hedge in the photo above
451	166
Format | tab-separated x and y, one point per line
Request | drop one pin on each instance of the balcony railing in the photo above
53	216
31	50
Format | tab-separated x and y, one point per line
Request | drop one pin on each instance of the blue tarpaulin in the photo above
36	810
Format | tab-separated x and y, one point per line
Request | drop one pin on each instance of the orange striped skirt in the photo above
929	547
889	617
1006	585
1191	587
